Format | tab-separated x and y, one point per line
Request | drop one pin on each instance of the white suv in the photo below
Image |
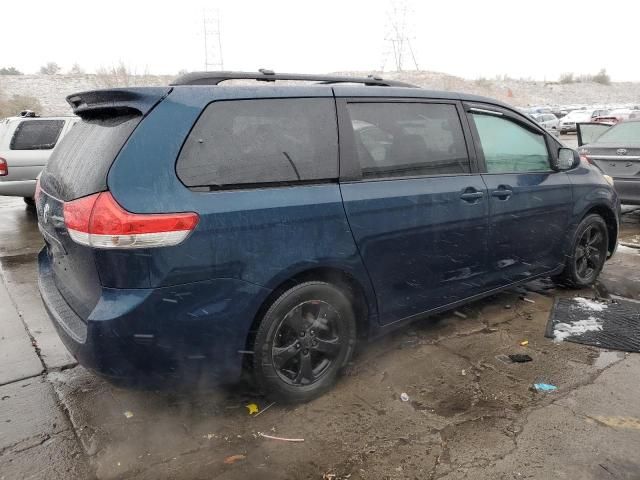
26	143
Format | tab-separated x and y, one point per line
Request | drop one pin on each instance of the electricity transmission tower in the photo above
398	35
212	40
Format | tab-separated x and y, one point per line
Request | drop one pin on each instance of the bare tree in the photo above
76	69
118	75
51	68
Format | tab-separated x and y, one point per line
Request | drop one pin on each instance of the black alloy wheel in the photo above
303	341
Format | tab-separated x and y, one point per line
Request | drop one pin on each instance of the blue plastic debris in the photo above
544	387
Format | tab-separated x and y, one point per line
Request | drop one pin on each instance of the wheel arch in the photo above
611	221
335	276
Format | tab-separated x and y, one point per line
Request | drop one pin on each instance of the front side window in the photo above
509	147
261	141
408	139
36	135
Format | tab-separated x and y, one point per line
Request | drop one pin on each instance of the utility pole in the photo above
397	35
212	40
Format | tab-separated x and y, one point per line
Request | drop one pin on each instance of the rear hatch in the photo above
619	162
78	168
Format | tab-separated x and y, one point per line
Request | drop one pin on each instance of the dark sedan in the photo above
616	151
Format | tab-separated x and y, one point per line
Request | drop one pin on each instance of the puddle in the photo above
607	358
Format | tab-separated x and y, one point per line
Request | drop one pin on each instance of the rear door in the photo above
415	203
529	203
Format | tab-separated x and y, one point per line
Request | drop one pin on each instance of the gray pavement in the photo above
18	358
470	414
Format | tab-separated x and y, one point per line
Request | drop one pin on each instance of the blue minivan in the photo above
200	230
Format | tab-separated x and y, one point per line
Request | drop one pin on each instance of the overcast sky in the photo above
538	39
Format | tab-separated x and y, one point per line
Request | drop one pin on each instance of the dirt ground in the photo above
471	413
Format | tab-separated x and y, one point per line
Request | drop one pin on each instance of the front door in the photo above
416	205
529	203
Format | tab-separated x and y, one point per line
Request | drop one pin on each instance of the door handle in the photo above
471	196
503	192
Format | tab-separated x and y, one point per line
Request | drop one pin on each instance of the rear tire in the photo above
302	343
563	132
588	253
30	202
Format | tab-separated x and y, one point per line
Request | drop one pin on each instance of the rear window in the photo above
408	139
262	141
36	135
79	166
623	133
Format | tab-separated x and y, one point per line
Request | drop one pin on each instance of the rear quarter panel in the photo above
262	235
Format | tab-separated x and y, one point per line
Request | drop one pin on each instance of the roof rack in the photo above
264	75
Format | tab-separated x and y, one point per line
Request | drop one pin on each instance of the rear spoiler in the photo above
140	100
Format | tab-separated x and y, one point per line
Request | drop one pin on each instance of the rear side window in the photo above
36	135
408	139
243	142
509	147
79	166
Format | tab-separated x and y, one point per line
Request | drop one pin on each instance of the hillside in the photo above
51	90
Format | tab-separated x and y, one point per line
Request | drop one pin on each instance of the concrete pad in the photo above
18	358
55	457
21	277
29	413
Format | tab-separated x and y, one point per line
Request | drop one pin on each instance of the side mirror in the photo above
566	160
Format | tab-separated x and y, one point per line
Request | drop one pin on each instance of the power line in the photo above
213	59
397	35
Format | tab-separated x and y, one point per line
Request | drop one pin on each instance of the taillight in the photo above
4	168
99	221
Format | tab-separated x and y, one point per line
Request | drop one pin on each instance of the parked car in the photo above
568	122
618	115
26	143
547	120
192	231
615	149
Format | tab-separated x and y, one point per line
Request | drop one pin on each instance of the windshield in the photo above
621	133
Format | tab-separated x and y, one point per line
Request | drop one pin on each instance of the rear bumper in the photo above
18	188
189	334
628	190
567	128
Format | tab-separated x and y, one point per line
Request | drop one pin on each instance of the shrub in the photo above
10	71
76	70
51	68
602	77
567	78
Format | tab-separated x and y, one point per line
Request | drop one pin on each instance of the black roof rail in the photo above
264	75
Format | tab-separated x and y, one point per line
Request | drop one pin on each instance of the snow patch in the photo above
586	304
564	330
625	249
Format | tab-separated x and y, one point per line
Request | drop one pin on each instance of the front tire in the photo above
588	253
30	202
302	343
